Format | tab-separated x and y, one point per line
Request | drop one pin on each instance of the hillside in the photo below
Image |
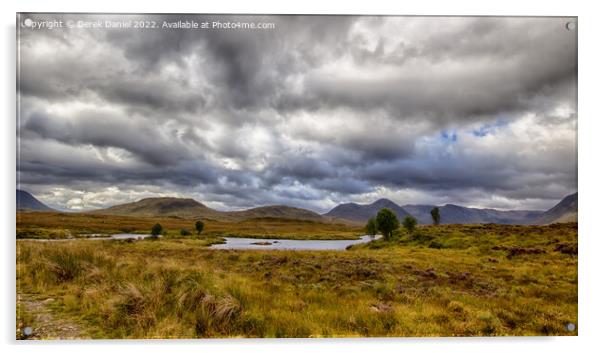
361	213
351	213
278	211
422	213
454	214
450	213
189	208
564	211
26	201
162	206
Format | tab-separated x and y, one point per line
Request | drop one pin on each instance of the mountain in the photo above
422	213
278	211
564	211
26	201
189	208
450	214
361	213
454	214
161	206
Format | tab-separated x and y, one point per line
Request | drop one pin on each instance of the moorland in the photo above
437	280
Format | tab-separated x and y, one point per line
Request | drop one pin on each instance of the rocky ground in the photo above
43	322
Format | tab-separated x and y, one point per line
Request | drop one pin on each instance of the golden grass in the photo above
468	284
64	225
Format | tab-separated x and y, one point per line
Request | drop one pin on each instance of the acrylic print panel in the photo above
218	176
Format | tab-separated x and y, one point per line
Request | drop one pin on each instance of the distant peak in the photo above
168	198
383	202
25	200
169	202
273	207
452	205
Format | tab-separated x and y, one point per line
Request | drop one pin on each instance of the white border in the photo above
590	238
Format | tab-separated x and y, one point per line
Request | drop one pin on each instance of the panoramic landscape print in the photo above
229	176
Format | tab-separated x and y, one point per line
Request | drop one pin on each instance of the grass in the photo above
55	225
438	281
24	319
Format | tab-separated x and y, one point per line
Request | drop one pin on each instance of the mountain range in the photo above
564	211
189	208
454	214
26	201
361	213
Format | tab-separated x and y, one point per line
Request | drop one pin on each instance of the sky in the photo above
316	111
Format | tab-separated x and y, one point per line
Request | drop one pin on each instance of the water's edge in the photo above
243	243
289	244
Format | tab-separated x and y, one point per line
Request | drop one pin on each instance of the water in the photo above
288	244
127	236
246	243
122	236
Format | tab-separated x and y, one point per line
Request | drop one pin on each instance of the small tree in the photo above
371	227
409	223
199	225
156	230
184	232
386	222
436	216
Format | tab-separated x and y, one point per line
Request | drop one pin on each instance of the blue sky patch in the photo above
450	136
489	129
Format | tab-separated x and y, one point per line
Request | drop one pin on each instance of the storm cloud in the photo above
315	111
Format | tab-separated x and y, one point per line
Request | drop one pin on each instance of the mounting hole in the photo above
570	25
27	331
570	327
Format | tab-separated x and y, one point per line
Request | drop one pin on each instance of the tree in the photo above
156	230
184	232
371	227
409	223
436	216
386	222
199	225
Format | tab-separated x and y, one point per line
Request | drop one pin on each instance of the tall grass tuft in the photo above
217	315
191	295
64	265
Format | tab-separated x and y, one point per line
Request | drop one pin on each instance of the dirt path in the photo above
44	323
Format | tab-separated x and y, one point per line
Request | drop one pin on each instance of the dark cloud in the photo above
319	110
136	136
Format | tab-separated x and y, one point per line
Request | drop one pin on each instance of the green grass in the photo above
472	283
